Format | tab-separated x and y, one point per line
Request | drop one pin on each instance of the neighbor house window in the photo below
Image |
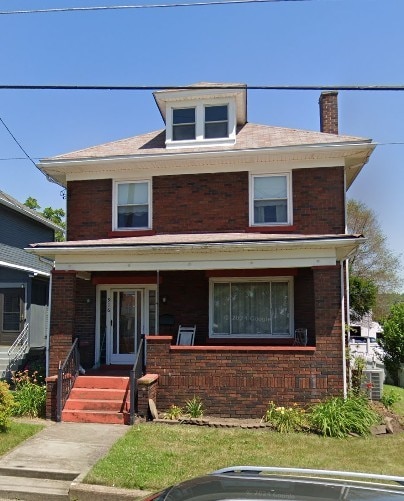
133	205
251	308
11	309
216	121
270	199
184	124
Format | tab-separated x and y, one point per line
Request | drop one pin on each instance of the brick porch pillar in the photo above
63	317
328	325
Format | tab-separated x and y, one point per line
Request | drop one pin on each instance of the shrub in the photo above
194	407
285	419
6	406
338	417
29	395
392	340
390	397
174	412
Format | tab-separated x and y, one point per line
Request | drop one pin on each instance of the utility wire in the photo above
383	88
141	6
25	153
18	143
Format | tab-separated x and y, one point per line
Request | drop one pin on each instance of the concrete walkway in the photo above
51	464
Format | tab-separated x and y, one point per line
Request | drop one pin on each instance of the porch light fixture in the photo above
164	299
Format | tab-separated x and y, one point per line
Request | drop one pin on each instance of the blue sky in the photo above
320	42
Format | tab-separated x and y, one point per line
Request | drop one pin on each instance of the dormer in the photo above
203	114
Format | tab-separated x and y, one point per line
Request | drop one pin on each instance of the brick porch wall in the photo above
240	381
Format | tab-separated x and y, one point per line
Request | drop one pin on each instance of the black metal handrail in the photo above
138	370
67	374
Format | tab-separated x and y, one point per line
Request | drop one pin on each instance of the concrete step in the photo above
33	489
77	404
92	416
110	382
29	473
97	394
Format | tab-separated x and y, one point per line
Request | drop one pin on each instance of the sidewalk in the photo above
52	464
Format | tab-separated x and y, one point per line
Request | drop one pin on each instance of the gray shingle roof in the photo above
13	257
249	136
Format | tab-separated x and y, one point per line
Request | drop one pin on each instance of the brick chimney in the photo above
329	112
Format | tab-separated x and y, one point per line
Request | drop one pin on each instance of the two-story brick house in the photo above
213	221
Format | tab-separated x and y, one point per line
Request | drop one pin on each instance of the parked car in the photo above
244	483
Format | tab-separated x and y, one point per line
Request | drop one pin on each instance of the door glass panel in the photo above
124	322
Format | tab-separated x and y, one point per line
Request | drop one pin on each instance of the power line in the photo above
384	88
23	150
141	6
18	143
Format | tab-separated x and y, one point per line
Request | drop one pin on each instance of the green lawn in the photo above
151	456
17	433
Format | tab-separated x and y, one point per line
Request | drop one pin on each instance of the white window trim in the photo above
288	193
216	280
200	140
115	204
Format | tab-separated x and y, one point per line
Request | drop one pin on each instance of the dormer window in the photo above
184	124
204	123
216	121
202	115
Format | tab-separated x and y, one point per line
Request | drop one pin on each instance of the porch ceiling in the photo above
199	252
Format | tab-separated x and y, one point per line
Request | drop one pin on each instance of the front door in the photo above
125	325
12	313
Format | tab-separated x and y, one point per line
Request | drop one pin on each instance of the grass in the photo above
152	456
17	433
398	407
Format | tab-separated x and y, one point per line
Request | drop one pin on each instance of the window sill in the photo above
130	233
271	229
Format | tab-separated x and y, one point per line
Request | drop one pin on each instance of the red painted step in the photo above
98	399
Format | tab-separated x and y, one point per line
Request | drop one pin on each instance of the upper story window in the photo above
132	205
270	200
202	124
216	121
183	124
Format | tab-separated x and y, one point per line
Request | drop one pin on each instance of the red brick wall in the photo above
200	202
241	381
85	328
63	318
89	209
318	200
210	202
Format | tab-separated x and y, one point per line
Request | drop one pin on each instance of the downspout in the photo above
344	373
48	326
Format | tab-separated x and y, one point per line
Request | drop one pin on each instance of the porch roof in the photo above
199	251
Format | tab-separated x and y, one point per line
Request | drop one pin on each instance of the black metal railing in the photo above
138	370
67	374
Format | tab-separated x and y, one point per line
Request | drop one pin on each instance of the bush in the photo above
6	406
29	395
392	340
174	412
194	407
285	419
389	398
338	417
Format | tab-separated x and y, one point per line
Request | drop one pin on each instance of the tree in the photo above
392	340
362	295
54	215
373	262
